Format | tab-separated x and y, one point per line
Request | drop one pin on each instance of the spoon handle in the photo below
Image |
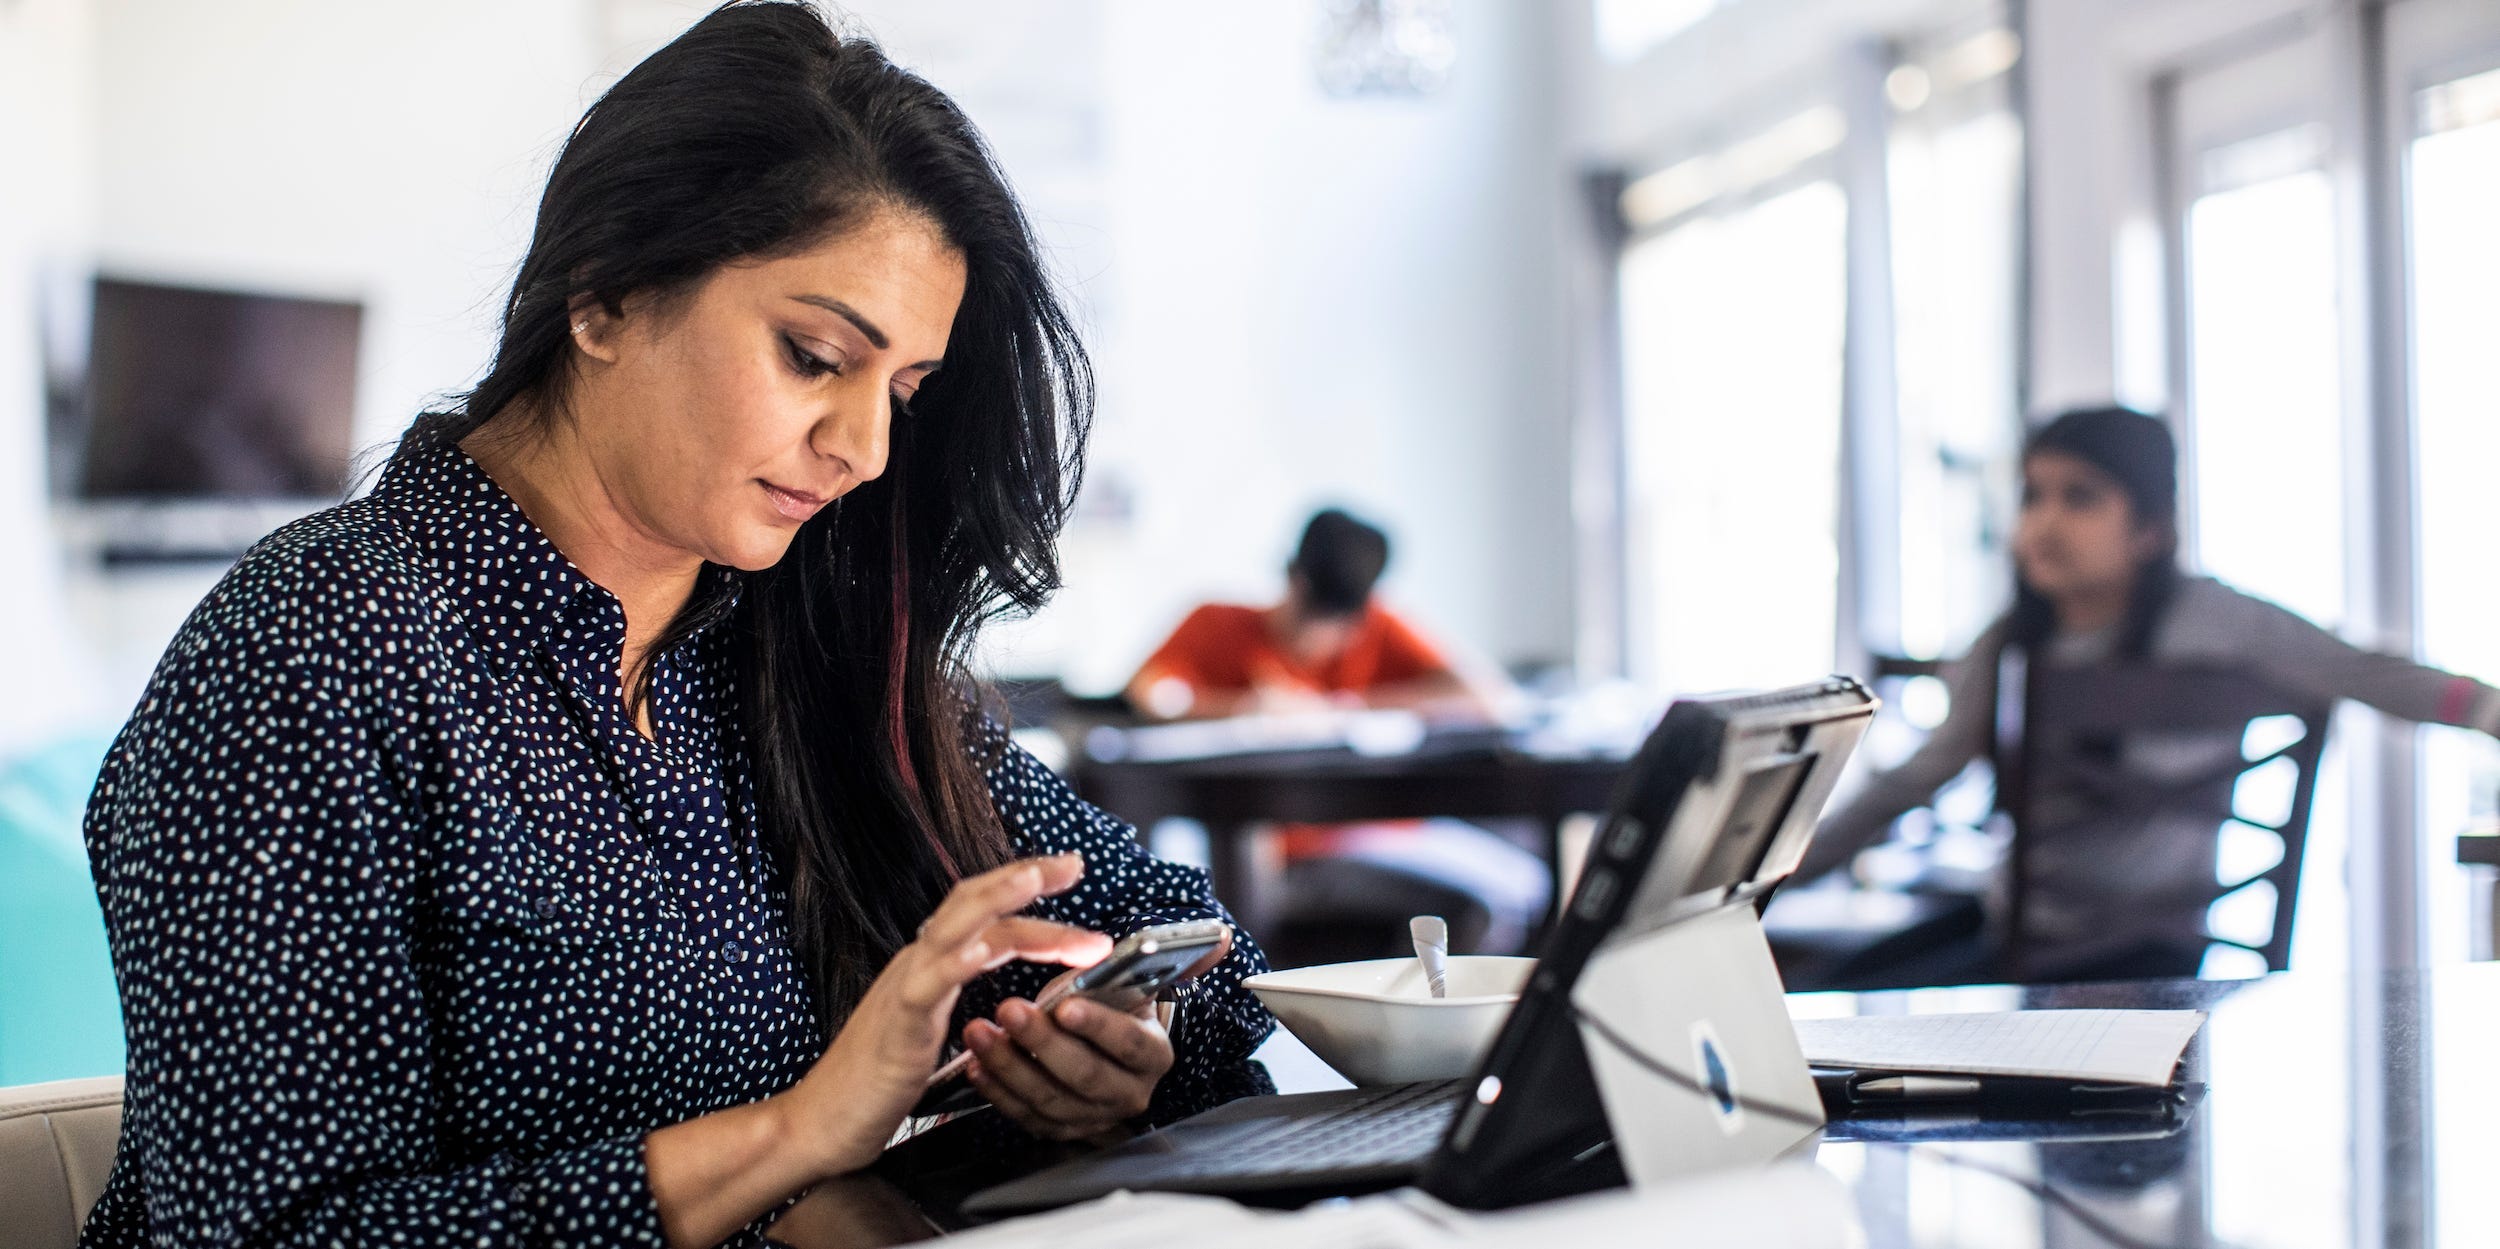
1432	947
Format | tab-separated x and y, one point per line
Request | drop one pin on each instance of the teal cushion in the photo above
59	1014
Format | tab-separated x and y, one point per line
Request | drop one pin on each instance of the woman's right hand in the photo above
845	1109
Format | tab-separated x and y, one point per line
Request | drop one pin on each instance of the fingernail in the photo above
1074	1012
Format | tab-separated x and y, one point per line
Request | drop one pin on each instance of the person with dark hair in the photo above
1327	644
2097	577
1338	562
591	836
1331	645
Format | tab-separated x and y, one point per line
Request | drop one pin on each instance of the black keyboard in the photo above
1400	1125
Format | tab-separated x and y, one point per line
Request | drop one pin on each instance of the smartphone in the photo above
1141	965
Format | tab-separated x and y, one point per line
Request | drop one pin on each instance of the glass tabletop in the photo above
2324	1113
2317	1124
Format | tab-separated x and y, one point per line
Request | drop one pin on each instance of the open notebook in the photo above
2093	1046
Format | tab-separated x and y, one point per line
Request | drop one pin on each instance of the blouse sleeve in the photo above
255	844
1218	1023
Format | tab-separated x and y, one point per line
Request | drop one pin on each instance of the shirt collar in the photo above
513	588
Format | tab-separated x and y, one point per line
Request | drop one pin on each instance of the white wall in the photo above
47	148
1322	300
384	152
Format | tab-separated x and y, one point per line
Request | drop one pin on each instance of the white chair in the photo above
56	1147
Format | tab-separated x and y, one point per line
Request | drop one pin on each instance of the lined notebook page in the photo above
2094	1046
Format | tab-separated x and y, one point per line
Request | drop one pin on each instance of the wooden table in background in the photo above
1233	795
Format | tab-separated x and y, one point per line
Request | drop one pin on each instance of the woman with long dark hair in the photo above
590	835
2096	554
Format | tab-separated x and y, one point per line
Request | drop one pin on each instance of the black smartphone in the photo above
1141	965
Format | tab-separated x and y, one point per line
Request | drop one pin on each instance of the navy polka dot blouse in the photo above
417	936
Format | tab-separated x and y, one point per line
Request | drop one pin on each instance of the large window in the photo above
2265	389
2327	266
2301	445
1740	298
2265	410
1953	166
2453	199
2444	121
1732	323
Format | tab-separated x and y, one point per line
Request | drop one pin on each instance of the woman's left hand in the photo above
1078	1070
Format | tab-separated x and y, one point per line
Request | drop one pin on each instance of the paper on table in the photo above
1792	1205
1788	1205
1159	1220
2098	1046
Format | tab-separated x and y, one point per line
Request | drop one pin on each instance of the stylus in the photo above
1893	1089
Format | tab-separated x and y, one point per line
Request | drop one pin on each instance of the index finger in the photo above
978	901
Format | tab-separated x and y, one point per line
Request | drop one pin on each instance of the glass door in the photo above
2266	429
2444	112
1954	172
1732	327
2442	115
2265	386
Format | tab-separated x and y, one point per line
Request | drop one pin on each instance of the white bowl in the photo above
1378	1023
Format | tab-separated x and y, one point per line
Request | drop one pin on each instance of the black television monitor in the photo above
213	394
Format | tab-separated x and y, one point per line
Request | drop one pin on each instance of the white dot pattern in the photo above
417	938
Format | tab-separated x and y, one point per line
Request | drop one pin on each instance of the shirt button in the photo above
546	908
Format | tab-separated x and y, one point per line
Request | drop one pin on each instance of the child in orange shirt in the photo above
1328	644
